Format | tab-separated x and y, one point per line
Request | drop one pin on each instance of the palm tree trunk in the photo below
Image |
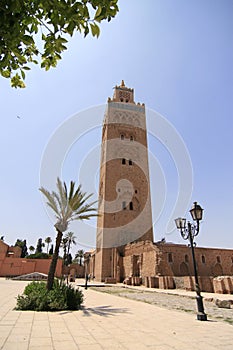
68	250
53	264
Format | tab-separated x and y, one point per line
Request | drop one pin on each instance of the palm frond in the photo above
51	201
58	200
79	200
62	195
71	193
84	217
85	210
69	204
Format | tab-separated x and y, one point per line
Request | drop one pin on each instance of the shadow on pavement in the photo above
105	311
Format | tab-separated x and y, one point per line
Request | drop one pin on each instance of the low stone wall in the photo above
179	282
166	282
110	280
223	284
163	282
205	283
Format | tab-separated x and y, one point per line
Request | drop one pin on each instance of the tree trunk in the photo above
68	250
53	264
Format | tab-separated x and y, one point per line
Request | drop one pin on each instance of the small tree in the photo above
24	251
64	246
19	243
31	248
48	240
23	245
67	205
71	239
80	255
51	250
69	259
39	246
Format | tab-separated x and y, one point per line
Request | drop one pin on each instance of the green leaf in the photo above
6	73
28	40
95	30
98	12
16	81
22	74
26	68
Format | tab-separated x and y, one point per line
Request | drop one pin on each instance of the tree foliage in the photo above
48	240
71	239
23	245
39	246
51	250
38	256
31	248
39	29
79	255
61	297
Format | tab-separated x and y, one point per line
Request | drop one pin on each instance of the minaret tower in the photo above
124	188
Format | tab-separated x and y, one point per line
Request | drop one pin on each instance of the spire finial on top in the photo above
122	83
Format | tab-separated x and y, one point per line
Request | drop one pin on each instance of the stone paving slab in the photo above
105	322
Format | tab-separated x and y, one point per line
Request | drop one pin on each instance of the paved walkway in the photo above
105	322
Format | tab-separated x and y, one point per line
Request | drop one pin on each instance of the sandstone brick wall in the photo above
205	283
223	284
210	261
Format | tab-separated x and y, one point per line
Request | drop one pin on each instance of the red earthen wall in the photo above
18	266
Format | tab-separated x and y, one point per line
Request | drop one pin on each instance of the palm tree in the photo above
80	255
48	240
67	206
31	248
71	239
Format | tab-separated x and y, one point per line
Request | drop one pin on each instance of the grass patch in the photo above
228	320
186	310
114	290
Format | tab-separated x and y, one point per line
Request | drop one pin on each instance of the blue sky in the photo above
177	55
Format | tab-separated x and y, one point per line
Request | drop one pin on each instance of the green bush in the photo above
62	297
38	256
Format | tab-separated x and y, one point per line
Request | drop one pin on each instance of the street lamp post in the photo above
86	269
190	231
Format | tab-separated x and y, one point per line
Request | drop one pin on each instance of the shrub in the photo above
38	256
62	297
